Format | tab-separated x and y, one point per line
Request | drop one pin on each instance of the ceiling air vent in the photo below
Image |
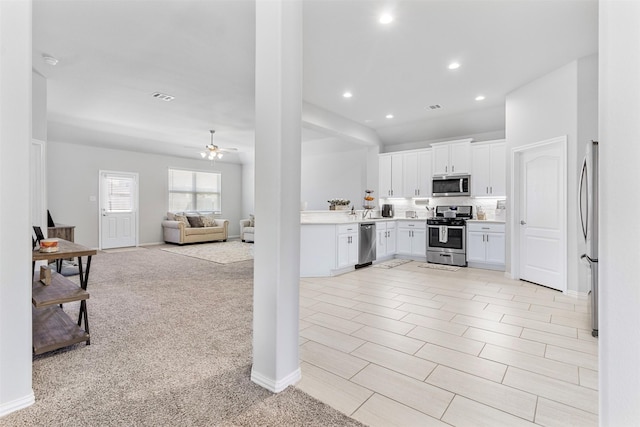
434	107
163	96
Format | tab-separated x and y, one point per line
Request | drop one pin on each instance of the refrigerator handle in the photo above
584	216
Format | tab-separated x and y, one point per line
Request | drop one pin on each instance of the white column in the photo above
619	250
277	193
15	247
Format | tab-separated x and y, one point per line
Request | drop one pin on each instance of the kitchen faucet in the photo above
365	212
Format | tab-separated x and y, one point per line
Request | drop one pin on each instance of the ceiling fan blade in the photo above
227	150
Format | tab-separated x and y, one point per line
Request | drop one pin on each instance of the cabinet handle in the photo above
446	168
491	188
453	168
487	190
487	238
483	237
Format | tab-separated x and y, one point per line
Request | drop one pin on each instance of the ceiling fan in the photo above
212	151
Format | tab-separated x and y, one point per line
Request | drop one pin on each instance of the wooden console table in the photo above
52	327
62	231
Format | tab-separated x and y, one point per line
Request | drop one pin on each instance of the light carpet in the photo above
220	252
392	263
170	346
439	267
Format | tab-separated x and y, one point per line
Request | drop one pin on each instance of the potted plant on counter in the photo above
338	204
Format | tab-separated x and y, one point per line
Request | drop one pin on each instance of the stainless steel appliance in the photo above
447	235
387	211
367	246
445	186
589	221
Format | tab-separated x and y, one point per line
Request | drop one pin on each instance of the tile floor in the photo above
411	346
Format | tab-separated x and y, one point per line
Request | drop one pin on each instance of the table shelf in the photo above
54	329
60	291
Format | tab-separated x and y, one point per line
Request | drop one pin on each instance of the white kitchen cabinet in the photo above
488	169
390	175
385	239
451	158
412	238
486	245
417	174
347	245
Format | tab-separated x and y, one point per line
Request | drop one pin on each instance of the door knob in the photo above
522	222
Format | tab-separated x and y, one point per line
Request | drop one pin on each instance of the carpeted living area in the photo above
170	345
220	252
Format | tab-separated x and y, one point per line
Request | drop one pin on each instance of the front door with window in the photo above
118	209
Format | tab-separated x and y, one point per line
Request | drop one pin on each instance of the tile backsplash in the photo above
401	206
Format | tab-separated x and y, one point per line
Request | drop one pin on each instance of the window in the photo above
118	193
194	191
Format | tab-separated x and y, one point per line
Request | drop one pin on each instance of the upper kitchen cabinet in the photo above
452	158
390	175
488	169
417	174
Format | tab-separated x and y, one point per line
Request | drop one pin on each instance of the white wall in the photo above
72	173
619	250
327	174
248	189
547	108
15	227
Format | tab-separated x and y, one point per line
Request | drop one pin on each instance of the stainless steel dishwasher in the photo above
367	247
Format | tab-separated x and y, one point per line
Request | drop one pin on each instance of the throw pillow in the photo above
182	218
208	221
252	221
171	216
195	221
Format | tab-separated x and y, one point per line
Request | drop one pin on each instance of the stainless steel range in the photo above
447	235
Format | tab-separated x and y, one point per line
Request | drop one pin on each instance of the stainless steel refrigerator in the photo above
589	221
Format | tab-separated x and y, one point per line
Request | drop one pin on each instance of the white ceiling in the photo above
114	54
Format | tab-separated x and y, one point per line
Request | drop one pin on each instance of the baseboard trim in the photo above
17	404
276	386
577	295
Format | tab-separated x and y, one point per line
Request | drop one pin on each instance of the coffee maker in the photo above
387	211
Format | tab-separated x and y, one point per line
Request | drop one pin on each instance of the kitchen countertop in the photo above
344	221
337	221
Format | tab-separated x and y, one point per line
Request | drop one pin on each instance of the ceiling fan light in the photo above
211	156
219	155
203	154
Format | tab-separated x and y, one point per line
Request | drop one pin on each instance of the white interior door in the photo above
543	216
118	209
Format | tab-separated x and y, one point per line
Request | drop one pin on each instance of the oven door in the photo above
454	241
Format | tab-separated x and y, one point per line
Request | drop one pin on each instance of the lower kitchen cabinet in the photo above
385	239
412	238
347	249
486	245
327	249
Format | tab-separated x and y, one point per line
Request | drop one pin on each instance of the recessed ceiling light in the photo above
368	121
480	98
347	94
389	116
385	18
454	66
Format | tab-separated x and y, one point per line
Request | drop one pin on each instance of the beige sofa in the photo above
176	229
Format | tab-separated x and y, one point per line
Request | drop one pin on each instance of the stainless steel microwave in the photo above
447	186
